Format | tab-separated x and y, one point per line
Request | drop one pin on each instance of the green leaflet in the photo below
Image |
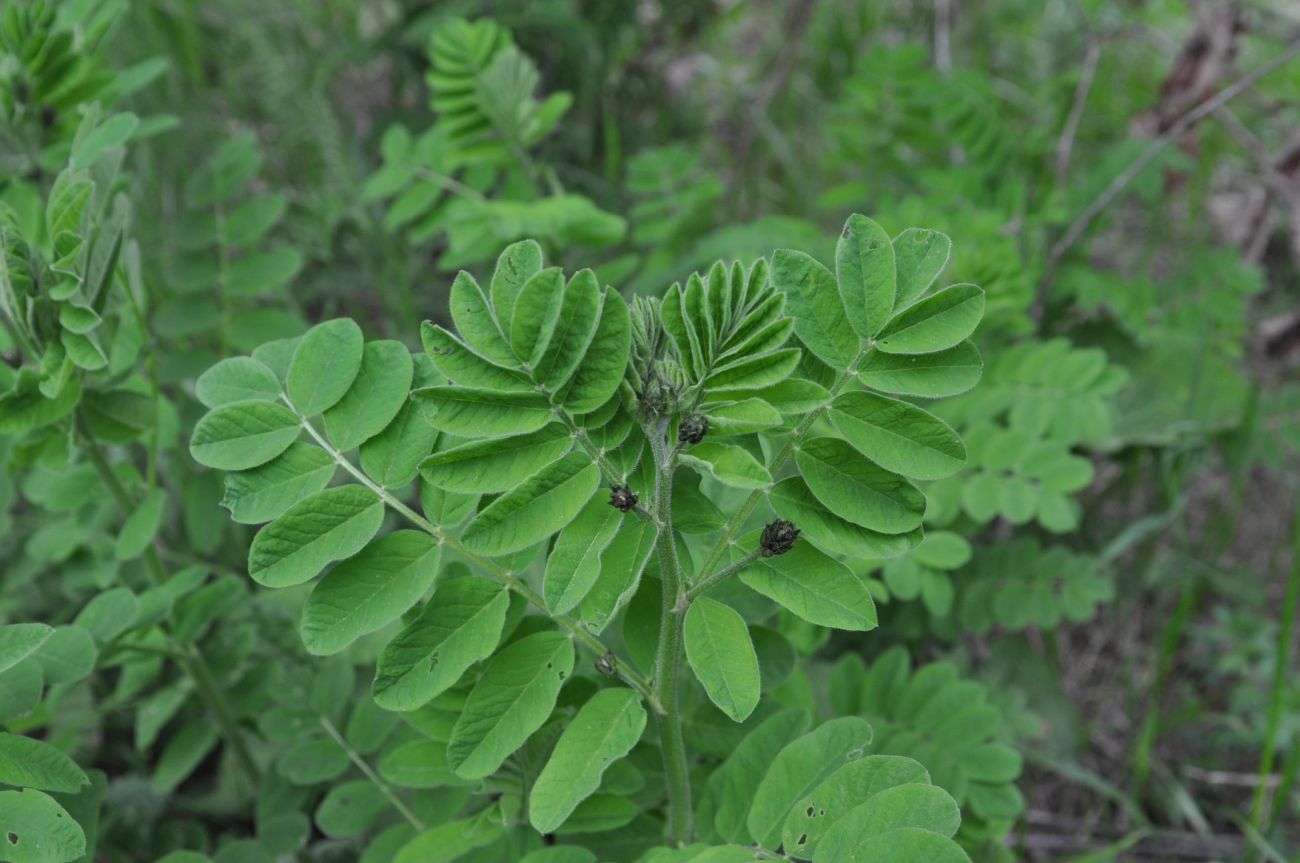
417	764
310	762
449	841
369	591
598	376
475	321
905	845
864	493
538	507
727	463
392	457
462	365
458	627
350	809
67	656
237	379
599	813
742	417
898	436
604	730
920	255
932	376
619	573
30	763
516	265
476	413
535	315
793	500
19	640
376	395
799	768
573	331
813	300
720	652
36	829
815	587
574	563
939	321
919	805
753	372
846	788
511	700
864	270
182	756
329	525
734	782
141	526
262	493
497	464
243	435
324	365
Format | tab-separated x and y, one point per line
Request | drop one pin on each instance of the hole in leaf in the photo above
803	838
811	811
12	837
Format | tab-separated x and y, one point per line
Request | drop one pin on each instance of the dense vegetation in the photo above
570	431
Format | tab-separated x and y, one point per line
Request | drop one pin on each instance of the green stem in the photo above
188	657
574	628
384	788
669	653
612	475
722	574
1276	696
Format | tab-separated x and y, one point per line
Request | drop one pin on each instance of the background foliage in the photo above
1089	652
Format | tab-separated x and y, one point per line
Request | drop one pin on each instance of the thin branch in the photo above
723	574
1125	177
1065	146
355	757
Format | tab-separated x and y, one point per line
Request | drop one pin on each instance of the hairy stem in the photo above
187	656
722	575
668	656
494	570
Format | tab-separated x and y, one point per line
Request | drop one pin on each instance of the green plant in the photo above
549	389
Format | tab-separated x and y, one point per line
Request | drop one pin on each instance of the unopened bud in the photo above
693	428
623	498
778	537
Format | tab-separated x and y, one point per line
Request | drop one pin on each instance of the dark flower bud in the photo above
778	537
607	664
693	428
623	498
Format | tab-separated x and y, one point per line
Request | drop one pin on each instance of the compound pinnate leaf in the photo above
898	436
538	507
324	365
243	435
859	490
34	828
369	591
601	371
30	763
812	298
476	413
845	789
376	395
329	525
496	464
920	254
727	463
460	626
815	587
574	563
237	379
20	640
722	655
604	730
931	376
801	766
262	493
511	700
935	323
864	270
